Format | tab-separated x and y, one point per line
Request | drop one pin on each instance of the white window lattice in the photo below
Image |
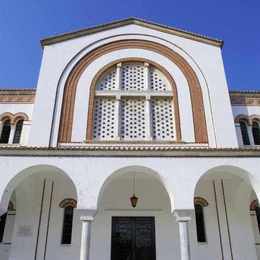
147	115
133	118
108	81
158	81
133	76
162	119
104	118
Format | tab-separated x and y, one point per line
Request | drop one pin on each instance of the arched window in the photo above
244	132
199	204
134	101
68	205
18	131
6	129
256	132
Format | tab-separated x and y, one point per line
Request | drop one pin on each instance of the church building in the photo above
131	147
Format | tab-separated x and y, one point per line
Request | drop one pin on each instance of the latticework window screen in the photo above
134	102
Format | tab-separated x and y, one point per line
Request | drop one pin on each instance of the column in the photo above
183	218
85	237
11	136
250	134
239	135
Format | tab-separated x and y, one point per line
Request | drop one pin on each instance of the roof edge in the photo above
132	20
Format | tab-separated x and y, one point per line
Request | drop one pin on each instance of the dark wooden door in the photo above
133	238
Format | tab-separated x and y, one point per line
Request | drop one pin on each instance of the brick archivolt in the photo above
248	119
14	118
69	95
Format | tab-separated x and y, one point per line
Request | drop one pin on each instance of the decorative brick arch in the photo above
68	104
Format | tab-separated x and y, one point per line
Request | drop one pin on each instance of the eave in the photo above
128	21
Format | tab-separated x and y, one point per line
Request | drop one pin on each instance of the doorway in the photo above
133	238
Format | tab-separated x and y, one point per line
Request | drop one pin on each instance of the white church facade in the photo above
130	148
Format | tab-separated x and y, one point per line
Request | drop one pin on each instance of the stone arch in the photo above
66	119
136	170
107	67
6	193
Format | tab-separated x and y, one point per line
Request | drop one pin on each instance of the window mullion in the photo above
118	102
11	136
148	123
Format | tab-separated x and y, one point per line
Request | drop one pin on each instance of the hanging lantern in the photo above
134	199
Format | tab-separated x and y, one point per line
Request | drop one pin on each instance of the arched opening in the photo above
18	131
227	191
256	132
118	223
6	129
38	193
244	132
70	89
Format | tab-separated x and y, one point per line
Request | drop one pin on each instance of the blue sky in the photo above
24	23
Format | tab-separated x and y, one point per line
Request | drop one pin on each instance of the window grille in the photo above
134	101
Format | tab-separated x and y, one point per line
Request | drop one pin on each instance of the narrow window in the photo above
257	212
18	132
200	224
256	133
244	132
67	225
5	132
2	226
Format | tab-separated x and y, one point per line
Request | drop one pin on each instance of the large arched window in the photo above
244	132
134	101
256	132
18	131
199	204
68	205
5	134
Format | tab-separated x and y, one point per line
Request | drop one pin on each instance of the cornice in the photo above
127	151
17	96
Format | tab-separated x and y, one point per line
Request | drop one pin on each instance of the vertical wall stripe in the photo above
48	223
40	220
228	229
217	212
